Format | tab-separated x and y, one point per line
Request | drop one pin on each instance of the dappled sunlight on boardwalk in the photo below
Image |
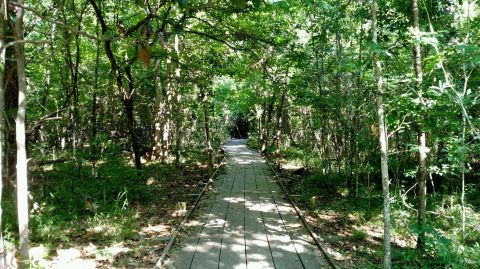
247	223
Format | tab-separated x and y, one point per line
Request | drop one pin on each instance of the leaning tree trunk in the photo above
422	136
387	263
22	186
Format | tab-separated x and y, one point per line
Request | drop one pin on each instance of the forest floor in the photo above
126	228
351	231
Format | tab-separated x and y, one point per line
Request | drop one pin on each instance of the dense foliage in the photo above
157	85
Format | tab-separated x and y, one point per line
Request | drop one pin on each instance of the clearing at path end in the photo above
247	223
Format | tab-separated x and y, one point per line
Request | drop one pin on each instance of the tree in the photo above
2	130
382	137
422	135
117	82
22	179
126	93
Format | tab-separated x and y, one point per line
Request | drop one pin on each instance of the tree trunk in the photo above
464	159
128	104
127	96
422	136
22	184
387	262
207	133
3	255
264	128
38	135
11	103
157	124
279	122
75	119
268	120
167	105
93	140
177	104
259	116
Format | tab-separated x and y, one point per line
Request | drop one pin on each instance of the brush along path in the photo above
247	223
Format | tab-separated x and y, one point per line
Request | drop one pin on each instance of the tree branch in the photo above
48	117
214	38
68	28
23	41
139	24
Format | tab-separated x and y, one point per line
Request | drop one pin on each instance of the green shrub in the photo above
359	235
252	142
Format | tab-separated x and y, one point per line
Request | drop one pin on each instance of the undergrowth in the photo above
356	226
72	204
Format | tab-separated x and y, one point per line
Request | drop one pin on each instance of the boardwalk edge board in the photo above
161	262
314	236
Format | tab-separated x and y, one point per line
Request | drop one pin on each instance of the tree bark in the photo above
3	255
268	120
279	122
93	140
387	261
128	104
22	184
11	102
159	106
73	62
207	133
167	107
422	136
177	103
264	128
464	159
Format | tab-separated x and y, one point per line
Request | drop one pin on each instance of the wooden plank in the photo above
207	252
305	246
256	240
208	249
257	247
200	239
283	251
249	224
232	254
184	257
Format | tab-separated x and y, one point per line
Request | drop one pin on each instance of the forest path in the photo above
246	223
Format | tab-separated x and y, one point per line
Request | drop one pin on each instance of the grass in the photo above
353	226
115	219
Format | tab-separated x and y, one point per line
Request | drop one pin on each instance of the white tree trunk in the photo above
387	262
157	139
2	129
22	186
422	136
462	196
177	103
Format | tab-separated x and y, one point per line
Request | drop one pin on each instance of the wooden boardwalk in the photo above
247	223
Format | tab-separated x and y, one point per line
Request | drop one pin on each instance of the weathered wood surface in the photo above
246	223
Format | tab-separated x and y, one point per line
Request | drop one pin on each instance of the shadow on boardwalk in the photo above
246	222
